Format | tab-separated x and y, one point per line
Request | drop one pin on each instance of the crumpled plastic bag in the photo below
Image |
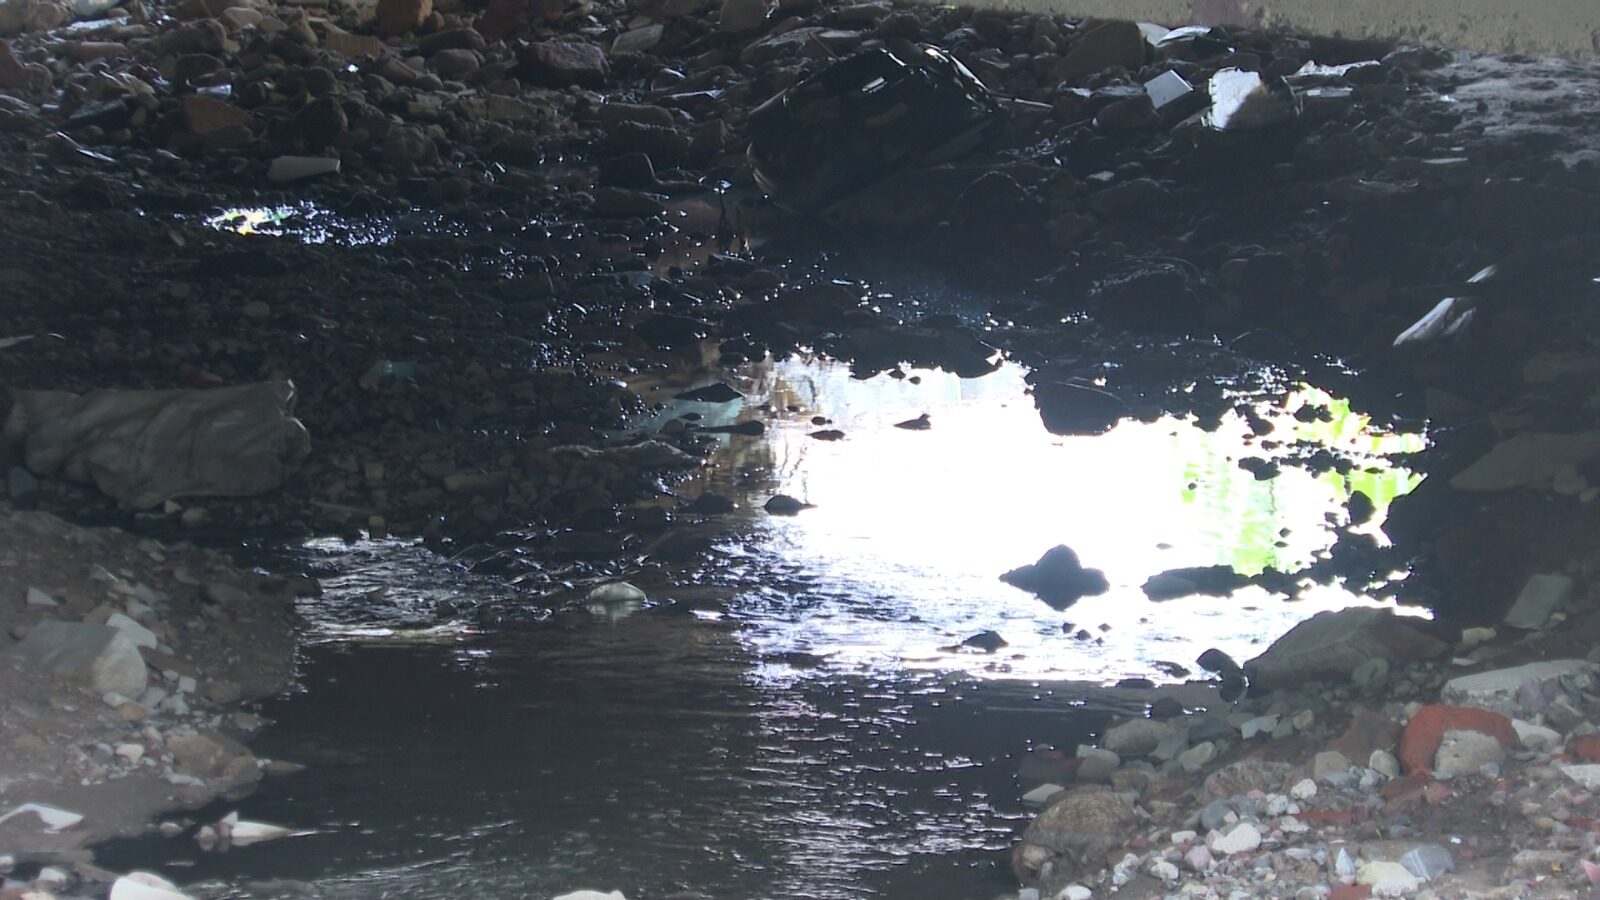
143	448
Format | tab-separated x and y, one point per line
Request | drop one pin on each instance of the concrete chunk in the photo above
97	657
1540	597
1499	690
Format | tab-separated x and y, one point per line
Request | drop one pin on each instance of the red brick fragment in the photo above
1420	741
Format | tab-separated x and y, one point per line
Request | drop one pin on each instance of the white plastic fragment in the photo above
54	818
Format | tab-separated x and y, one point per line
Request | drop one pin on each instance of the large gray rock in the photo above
1531	459
1330	645
1137	737
143	448
1075	833
98	657
1519	692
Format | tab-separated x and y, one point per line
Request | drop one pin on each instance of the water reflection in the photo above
308	222
911	528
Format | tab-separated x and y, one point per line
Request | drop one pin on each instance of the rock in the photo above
211	755
243	833
1102	46
396	17
1215	660
1058	578
1541	596
560	64
144	447
616	592
638	40
1195	758
1586	776
1371	673
98	657
1466	752
1213	581
1043	794
1420	741
1532	459
1246	775
204	115
285	169
1304	789
784	505
407	149
591	895
1096	765
140	635
988	641
1241	837
1137	737
456	64
1330	645
1506	691
1387	879
742	15
1075	833
1069	409
1258	726
1384	763
36	597
1329	763
1428	861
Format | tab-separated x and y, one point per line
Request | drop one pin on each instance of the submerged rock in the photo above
1058	578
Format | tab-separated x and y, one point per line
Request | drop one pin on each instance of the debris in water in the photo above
920	423
243	833
1069	408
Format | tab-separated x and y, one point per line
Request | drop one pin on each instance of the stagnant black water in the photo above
785	717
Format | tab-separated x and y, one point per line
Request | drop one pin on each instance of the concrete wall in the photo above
1534	27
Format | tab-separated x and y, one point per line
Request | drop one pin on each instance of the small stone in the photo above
1370	674
1384	763
1258	726
1327	764
1304	789
1242	837
37	597
1387	879
402	16
130	752
1195	758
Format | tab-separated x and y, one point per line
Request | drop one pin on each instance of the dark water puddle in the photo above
778	719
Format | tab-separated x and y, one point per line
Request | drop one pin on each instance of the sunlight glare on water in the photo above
911	529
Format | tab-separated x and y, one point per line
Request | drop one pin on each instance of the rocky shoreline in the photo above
457	229
128	669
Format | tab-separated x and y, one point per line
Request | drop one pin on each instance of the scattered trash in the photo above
145	886
55	819
1167	88
864	118
1449	318
145	447
243	833
1241	100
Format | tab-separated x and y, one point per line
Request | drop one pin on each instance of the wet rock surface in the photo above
455	229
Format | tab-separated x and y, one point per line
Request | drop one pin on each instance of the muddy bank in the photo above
128	667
